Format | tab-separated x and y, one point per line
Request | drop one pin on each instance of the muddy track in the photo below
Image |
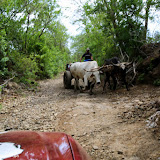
109	126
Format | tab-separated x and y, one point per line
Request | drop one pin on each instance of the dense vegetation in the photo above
33	42
114	27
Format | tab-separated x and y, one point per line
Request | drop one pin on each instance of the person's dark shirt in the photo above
87	55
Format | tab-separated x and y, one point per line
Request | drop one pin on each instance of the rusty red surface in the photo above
30	145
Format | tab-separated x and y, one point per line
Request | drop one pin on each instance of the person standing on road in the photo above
87	55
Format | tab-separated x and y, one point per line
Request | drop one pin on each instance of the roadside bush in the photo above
48	62
3	66
51	63
3	55
25	67
157	82
141	77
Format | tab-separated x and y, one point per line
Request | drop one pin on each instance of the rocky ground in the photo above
110	126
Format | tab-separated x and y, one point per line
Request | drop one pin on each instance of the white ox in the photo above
87	71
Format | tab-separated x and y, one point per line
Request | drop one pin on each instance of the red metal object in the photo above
30	145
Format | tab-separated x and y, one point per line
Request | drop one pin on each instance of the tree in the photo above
31	33
149	3
119	23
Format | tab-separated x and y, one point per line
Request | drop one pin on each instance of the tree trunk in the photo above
44	28
147	17
28	21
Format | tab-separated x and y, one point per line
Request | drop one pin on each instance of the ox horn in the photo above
92	70
100	68
117	65
128	63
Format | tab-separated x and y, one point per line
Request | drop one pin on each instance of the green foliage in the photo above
156	37
141	77
51	63
1	89
33	43
25	67
113	27
150	67
157	82
3	55
101	46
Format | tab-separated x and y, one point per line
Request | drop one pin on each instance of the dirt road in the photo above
109	126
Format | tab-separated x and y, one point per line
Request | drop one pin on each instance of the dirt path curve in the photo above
109	126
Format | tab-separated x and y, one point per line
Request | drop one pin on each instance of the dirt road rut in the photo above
109	126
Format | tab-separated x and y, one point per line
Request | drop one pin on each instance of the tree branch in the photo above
2	85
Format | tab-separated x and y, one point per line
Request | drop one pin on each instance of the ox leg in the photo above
125	82
76	84
91	88
104	86
89	85
107	79
85	82
109	83
114	82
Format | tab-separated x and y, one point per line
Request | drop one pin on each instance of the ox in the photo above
87	71
113	68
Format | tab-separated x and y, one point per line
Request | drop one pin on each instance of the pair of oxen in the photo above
89	72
